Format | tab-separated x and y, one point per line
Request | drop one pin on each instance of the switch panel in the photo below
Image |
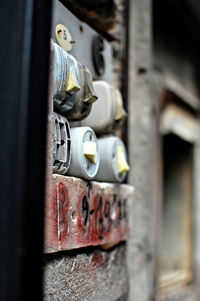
85	153
61	145
108	112
83	42
113	160
73	91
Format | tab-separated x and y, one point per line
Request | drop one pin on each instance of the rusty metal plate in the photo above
80	214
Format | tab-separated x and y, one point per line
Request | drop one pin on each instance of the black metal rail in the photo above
24	60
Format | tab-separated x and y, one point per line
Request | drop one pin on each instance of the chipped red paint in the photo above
99	259
63	207
80	217
80	214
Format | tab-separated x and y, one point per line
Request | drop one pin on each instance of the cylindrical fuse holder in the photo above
107	112
85	153
73	92
113	160
65	79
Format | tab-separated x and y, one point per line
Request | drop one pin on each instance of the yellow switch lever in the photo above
72	83
120	112
122	163
90	150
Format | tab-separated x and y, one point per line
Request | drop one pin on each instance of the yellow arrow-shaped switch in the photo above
90	150
121	159
120	112
72	83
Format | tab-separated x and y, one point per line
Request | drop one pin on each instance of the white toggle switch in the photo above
85	153
73	92
113	160
107	112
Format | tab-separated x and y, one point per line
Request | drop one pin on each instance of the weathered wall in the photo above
189	293
142	134
119	45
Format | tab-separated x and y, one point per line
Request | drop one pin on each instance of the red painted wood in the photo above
80	214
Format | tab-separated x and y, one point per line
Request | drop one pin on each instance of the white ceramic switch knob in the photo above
113	160
85	153
107	112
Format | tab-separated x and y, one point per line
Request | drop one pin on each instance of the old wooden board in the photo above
88	274
80	214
